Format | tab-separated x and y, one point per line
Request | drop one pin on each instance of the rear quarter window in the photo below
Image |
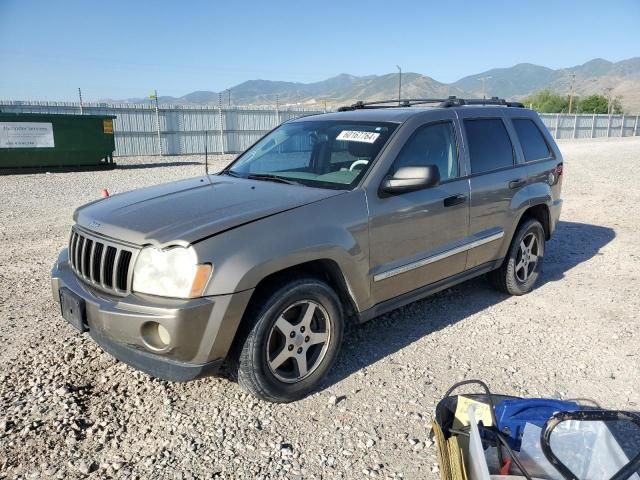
489	144
533	143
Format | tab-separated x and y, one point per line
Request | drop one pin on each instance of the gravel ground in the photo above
67	410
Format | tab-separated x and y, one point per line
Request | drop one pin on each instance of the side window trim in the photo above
551	155
514	156
497	170
456	141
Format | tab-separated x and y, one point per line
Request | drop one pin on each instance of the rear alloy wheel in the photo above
520	270
293	338
527	258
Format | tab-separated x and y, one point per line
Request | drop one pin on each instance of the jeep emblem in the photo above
94	224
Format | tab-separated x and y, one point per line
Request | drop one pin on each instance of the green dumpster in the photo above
48	141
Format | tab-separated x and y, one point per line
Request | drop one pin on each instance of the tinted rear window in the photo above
531	139
489	144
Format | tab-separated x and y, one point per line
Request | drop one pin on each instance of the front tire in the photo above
521	268
292	342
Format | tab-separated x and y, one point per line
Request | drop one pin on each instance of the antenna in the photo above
206	157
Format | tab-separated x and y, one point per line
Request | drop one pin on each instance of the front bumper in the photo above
201	330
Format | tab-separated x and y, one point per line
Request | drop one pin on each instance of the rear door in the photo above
544	166
415	236
497	180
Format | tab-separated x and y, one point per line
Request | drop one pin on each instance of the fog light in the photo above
155	336
163	335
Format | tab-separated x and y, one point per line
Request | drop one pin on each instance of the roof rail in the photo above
457	102
443	103
403	102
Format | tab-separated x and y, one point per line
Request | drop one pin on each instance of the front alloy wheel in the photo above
290	339
298	341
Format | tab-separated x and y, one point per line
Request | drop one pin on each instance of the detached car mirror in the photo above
409	179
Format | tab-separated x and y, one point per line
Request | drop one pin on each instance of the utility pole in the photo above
609	109
483	80
80	96
399	83
220	119
155	97
573	78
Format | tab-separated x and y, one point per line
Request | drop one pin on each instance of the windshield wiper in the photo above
231	173
271	177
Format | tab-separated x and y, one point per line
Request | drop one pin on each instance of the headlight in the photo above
170	273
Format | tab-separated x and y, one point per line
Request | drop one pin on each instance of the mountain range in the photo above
514	83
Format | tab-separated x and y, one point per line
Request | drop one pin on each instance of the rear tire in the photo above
521	268
291	341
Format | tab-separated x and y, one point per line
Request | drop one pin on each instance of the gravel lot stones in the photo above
68	410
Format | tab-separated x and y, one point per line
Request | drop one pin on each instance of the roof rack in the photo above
457	102
442	102
404	102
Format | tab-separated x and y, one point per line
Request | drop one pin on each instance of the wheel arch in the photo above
538	212
324	269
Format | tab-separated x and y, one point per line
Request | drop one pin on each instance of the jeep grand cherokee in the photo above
334	217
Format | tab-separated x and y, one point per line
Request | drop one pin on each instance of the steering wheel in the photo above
358	162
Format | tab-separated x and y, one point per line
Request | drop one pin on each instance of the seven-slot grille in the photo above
103	264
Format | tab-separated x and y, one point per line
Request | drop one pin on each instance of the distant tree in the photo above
593	104
546	101
599	104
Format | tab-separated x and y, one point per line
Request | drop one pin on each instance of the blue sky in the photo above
126	48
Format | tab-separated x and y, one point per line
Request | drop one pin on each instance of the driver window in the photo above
433	144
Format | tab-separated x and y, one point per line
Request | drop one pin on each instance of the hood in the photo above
186	211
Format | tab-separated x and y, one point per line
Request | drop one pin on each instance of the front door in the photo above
415	235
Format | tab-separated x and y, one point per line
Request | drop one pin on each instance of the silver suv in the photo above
327	219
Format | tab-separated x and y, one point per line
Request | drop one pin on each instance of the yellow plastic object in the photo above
482	412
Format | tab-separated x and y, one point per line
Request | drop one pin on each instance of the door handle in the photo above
520	182
455	200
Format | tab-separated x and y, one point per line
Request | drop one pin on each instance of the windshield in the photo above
325	154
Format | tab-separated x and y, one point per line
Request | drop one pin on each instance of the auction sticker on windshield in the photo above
358	136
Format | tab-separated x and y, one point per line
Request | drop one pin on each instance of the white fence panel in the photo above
564	126
183	129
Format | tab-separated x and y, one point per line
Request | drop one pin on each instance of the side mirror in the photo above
409	179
